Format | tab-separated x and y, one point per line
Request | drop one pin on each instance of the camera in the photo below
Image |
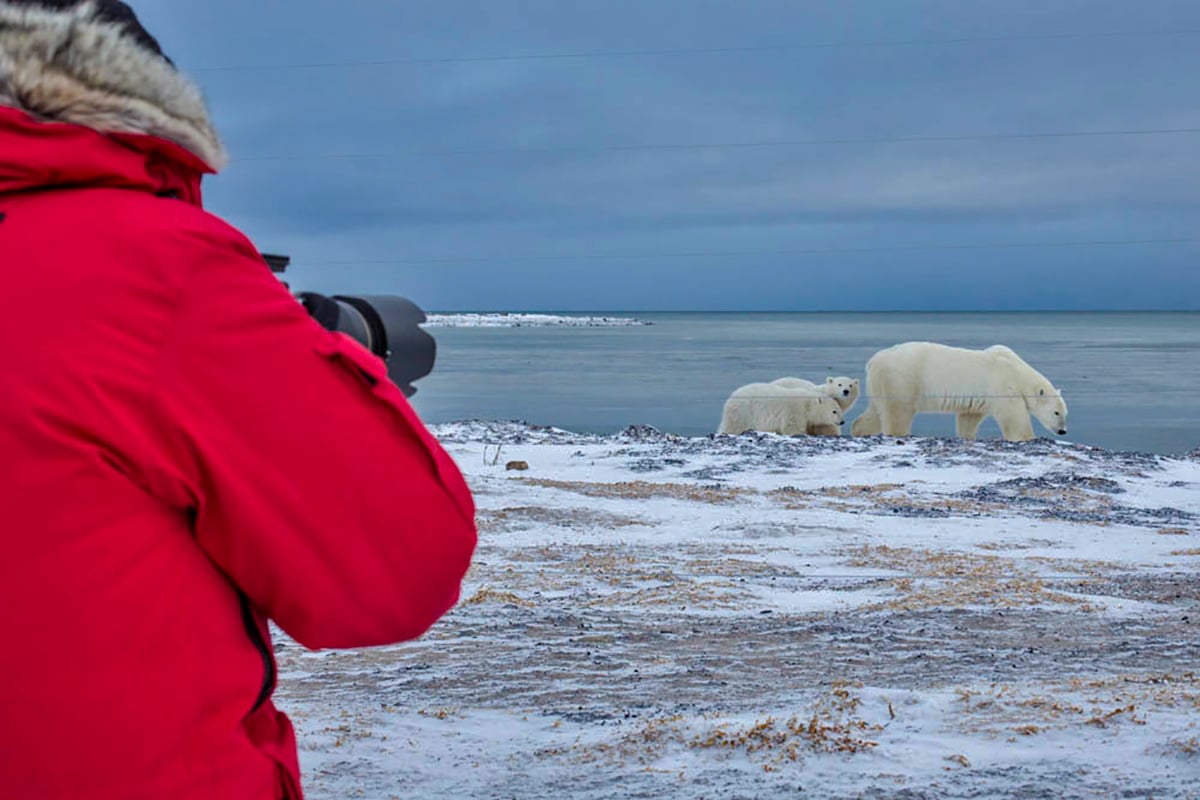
387	325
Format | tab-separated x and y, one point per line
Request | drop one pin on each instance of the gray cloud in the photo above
515	208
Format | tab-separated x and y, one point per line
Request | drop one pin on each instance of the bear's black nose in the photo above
845	392
1062	431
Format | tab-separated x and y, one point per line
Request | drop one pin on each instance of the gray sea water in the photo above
1131	380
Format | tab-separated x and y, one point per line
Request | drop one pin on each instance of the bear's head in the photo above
842	387
828	413
1048	407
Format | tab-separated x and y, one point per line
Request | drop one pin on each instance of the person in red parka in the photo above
184	453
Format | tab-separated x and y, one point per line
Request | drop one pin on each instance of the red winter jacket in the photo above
183	455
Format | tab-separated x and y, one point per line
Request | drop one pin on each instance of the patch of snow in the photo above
514	320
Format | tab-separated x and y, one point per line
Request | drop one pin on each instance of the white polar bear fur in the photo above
777	409
916	377
843	390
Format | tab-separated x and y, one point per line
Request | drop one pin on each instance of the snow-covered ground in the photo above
505	320
757	616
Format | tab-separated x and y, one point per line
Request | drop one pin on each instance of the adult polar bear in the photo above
913	377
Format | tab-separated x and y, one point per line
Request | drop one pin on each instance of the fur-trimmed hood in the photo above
74	65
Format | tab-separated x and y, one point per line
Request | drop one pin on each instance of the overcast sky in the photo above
503	184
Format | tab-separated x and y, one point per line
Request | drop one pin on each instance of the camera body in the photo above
387	325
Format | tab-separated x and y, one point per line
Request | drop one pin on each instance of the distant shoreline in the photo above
609	312
530	320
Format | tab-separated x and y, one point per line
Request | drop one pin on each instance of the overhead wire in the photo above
690	51
743	253
980	137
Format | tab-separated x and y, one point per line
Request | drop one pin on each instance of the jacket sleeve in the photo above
314	485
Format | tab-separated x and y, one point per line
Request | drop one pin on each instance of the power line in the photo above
737	253
690	51
982	137
815	392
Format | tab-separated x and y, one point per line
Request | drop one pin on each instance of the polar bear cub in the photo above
772	408
843	390
916	377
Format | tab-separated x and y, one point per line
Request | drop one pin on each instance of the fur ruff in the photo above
69	65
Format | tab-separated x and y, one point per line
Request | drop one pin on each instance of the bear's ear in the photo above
829	381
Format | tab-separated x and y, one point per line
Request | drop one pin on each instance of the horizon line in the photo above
827	311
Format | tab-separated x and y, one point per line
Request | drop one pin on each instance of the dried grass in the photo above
864	494
835	725
487	594
684	594
505	518
1189	748
645	490
440	713
1101	703
619	570
734	568
952	580
1029	544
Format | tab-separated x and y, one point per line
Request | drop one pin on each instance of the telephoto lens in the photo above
386	324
